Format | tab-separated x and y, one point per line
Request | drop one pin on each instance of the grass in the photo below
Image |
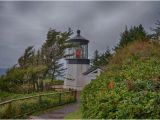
49	110
54	82
74	115
33	105
7	96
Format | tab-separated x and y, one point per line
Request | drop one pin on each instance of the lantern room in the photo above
80	47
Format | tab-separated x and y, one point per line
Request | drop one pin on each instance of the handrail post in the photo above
9	109
75	95
40	98
60	99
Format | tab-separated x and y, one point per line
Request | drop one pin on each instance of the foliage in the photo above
95	60
54	82
101	59
22	80
27	59
156	30
133	34
130	86
33	66
12	79
53	50
21	107
51	84
74	115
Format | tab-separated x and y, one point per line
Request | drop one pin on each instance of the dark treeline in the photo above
126	37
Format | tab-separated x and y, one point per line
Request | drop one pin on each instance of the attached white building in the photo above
79	73
91	74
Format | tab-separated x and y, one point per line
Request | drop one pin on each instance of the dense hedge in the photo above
129	88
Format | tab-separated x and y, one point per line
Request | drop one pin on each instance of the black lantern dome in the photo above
79	38
78	53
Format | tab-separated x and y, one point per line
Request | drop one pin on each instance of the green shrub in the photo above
53	82
130	86
20	80
74	115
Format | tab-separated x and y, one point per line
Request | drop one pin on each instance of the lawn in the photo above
22	107
54	82
74	115
7	96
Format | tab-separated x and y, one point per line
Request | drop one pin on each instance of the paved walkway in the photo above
59	113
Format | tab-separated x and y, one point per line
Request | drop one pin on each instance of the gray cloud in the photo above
26	23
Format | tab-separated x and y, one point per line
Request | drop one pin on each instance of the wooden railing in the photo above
22	107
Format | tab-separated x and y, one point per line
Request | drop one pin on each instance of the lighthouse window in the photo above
71	52
78	52
84	49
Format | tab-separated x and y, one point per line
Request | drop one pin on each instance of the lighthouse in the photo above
77	62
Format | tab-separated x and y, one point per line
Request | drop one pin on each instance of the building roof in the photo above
79	38
91	69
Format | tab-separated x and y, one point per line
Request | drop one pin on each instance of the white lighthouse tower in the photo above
77	63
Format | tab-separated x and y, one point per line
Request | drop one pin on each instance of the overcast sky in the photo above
26	23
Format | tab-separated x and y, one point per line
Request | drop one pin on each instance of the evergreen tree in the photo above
27	58
156	30
53	50
134	33
95	59
125	37
104	58
101	59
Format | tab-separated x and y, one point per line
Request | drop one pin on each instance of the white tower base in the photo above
74	76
